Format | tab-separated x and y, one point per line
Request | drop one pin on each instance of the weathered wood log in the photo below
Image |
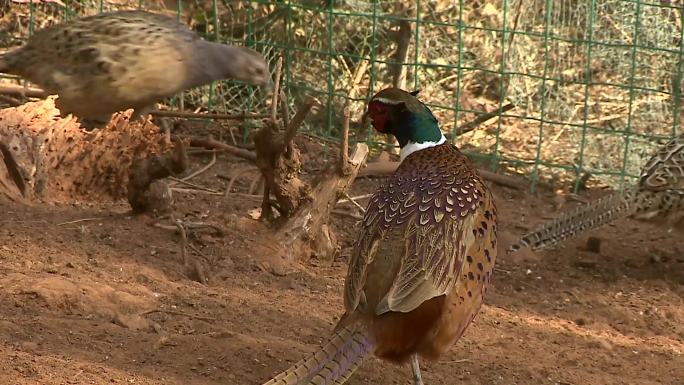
307	230
45	157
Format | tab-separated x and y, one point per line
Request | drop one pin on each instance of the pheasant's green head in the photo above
399	113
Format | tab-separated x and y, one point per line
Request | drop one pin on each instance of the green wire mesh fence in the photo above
596	84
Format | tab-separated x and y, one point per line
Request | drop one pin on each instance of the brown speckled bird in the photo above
423	257
657	198
114	61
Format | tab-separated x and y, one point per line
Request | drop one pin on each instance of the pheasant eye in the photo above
376	108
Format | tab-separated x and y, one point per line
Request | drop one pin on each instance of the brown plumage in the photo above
423	257
113	61
657	198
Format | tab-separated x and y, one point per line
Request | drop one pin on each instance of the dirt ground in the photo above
92	295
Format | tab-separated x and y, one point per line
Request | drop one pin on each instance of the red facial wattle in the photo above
378	114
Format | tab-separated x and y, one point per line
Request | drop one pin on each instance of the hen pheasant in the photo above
114	61
423	257
658	197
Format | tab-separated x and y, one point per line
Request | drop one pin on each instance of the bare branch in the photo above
284	111
397	68
298	119
473	124
216	145
344	145
276	91
203	169
364	196
193	115
184	241
353	202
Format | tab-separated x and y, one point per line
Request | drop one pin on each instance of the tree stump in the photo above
47	158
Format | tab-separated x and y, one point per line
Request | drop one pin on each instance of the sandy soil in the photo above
106	300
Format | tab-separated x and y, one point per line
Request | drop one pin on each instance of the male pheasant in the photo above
423	257
658	198
113	61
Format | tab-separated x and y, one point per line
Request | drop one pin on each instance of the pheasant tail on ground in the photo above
658	197
332	363
581	219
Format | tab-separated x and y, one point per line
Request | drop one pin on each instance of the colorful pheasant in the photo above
423	257
113	61
657	198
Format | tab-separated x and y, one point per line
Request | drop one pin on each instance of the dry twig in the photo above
364	196
298	119
347	214
473	124
363	210
78	221
184	241
220	146
203	169
194	115
233	177
344	143
199	187
276	91
195	270
195	191
173	312
219	230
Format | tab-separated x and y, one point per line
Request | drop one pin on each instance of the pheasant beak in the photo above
266	87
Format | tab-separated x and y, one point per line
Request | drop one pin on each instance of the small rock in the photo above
594	245
580	322
29	346
605	345
586	264
161	342
134	322
278	270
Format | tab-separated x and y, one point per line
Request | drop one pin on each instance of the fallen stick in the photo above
175	180
195	191
216	145
78	221
194	115
201	170
173	312
473	124
347	214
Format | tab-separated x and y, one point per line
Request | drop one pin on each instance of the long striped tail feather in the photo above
331	364
578	220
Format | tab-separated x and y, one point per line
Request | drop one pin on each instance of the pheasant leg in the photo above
415	368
